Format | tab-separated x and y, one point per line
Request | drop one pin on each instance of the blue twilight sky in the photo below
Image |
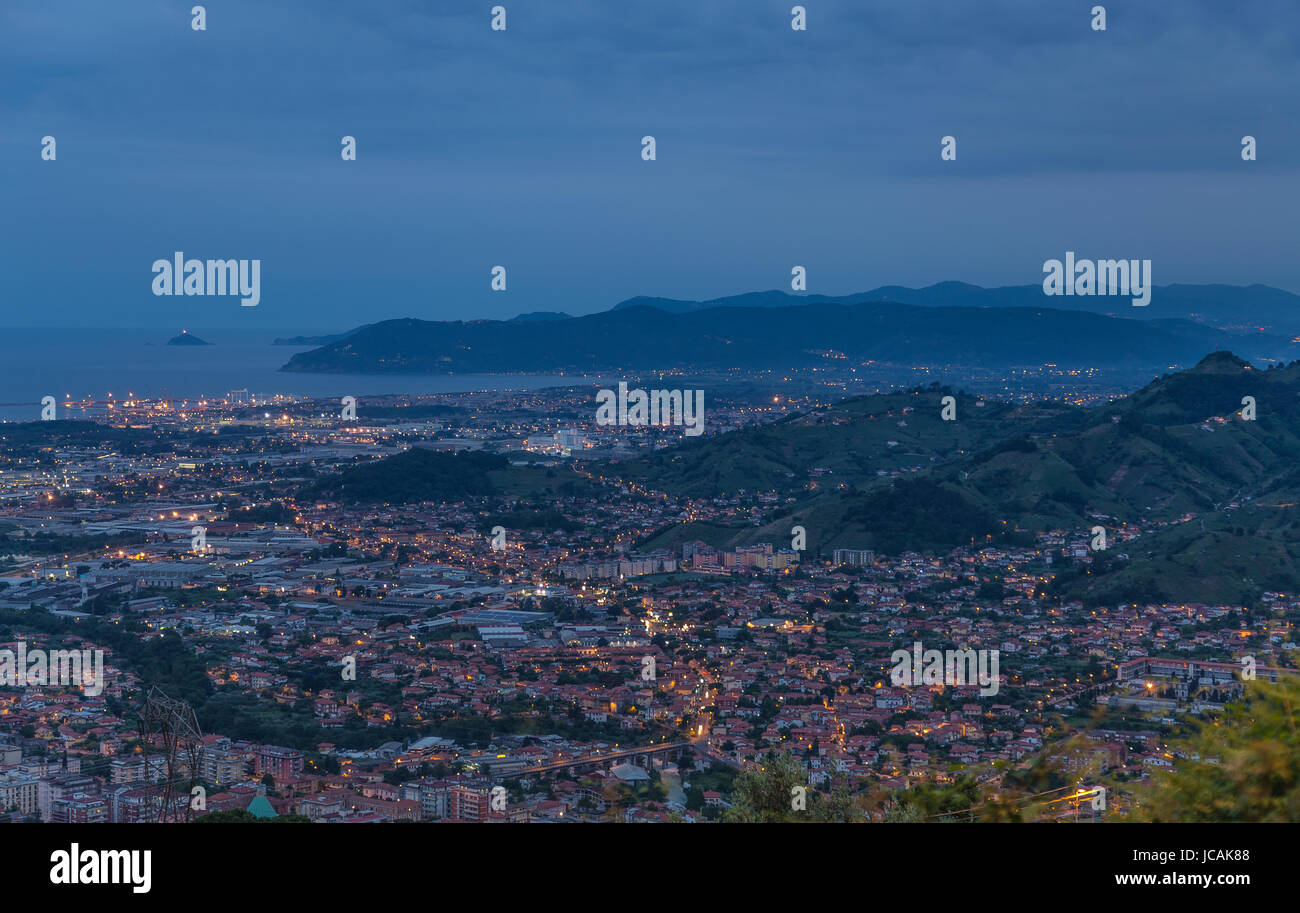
522	148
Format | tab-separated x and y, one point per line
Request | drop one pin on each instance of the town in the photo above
355	655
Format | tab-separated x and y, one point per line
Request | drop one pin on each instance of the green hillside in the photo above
844	445
420	474
1217	493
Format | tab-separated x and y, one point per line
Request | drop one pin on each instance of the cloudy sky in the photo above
523	148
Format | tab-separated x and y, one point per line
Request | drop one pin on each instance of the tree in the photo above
1243	767
765	796
695	799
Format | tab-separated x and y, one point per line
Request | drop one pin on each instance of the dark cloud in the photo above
522	148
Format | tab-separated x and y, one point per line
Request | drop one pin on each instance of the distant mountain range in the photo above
950	323
544	315
1257	308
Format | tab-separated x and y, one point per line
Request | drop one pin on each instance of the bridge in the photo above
610	759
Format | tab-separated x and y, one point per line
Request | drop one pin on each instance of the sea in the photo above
107	365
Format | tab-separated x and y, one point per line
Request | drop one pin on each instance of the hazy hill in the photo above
646	338
771	298
1253	309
